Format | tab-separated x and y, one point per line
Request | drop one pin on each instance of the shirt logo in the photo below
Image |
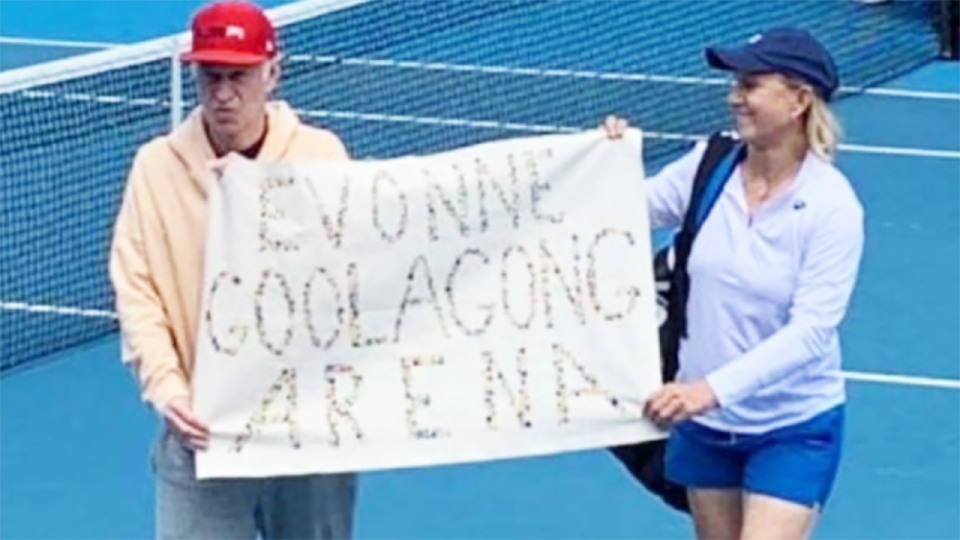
799	205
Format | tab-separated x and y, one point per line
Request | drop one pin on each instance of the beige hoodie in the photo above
156	262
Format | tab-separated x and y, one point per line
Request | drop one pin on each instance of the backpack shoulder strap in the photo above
716	165
721	156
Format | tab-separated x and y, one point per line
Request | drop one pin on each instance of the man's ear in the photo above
271	73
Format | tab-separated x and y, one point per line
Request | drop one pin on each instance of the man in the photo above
156	268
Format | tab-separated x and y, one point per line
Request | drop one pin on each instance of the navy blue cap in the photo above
784	50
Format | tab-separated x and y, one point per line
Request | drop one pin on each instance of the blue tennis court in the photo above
401	77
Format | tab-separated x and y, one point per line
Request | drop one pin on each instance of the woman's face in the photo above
766	106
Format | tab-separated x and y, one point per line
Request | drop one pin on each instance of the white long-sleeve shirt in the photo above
767	292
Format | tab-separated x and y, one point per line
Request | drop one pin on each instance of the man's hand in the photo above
181	420
218	165
614	126
676	402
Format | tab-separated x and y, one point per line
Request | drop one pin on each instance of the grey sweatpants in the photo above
296	507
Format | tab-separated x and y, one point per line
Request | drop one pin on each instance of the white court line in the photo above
483	124
581	74
881	378
899	92
57	310
59	43
919	152
156	49
544	72
510	126
902	380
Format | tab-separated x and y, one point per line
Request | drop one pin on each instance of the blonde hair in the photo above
820	125
822	128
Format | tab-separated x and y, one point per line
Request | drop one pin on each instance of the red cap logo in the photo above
232	32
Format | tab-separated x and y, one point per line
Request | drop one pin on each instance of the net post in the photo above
176	85
948	27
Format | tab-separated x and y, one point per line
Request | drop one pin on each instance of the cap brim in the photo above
736	60
231	58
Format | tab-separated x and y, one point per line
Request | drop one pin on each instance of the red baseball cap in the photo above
231	32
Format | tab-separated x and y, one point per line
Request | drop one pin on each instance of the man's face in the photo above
234	97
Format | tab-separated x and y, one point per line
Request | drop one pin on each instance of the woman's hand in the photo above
676	402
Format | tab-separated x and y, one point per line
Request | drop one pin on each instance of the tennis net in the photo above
392	78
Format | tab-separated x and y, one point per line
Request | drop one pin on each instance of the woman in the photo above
757	407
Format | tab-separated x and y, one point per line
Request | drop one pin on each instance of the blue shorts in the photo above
796	463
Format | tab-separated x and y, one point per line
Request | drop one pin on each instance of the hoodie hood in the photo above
190	143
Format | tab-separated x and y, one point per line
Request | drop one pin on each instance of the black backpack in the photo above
645	461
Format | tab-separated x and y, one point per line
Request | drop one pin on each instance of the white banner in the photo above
490	302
